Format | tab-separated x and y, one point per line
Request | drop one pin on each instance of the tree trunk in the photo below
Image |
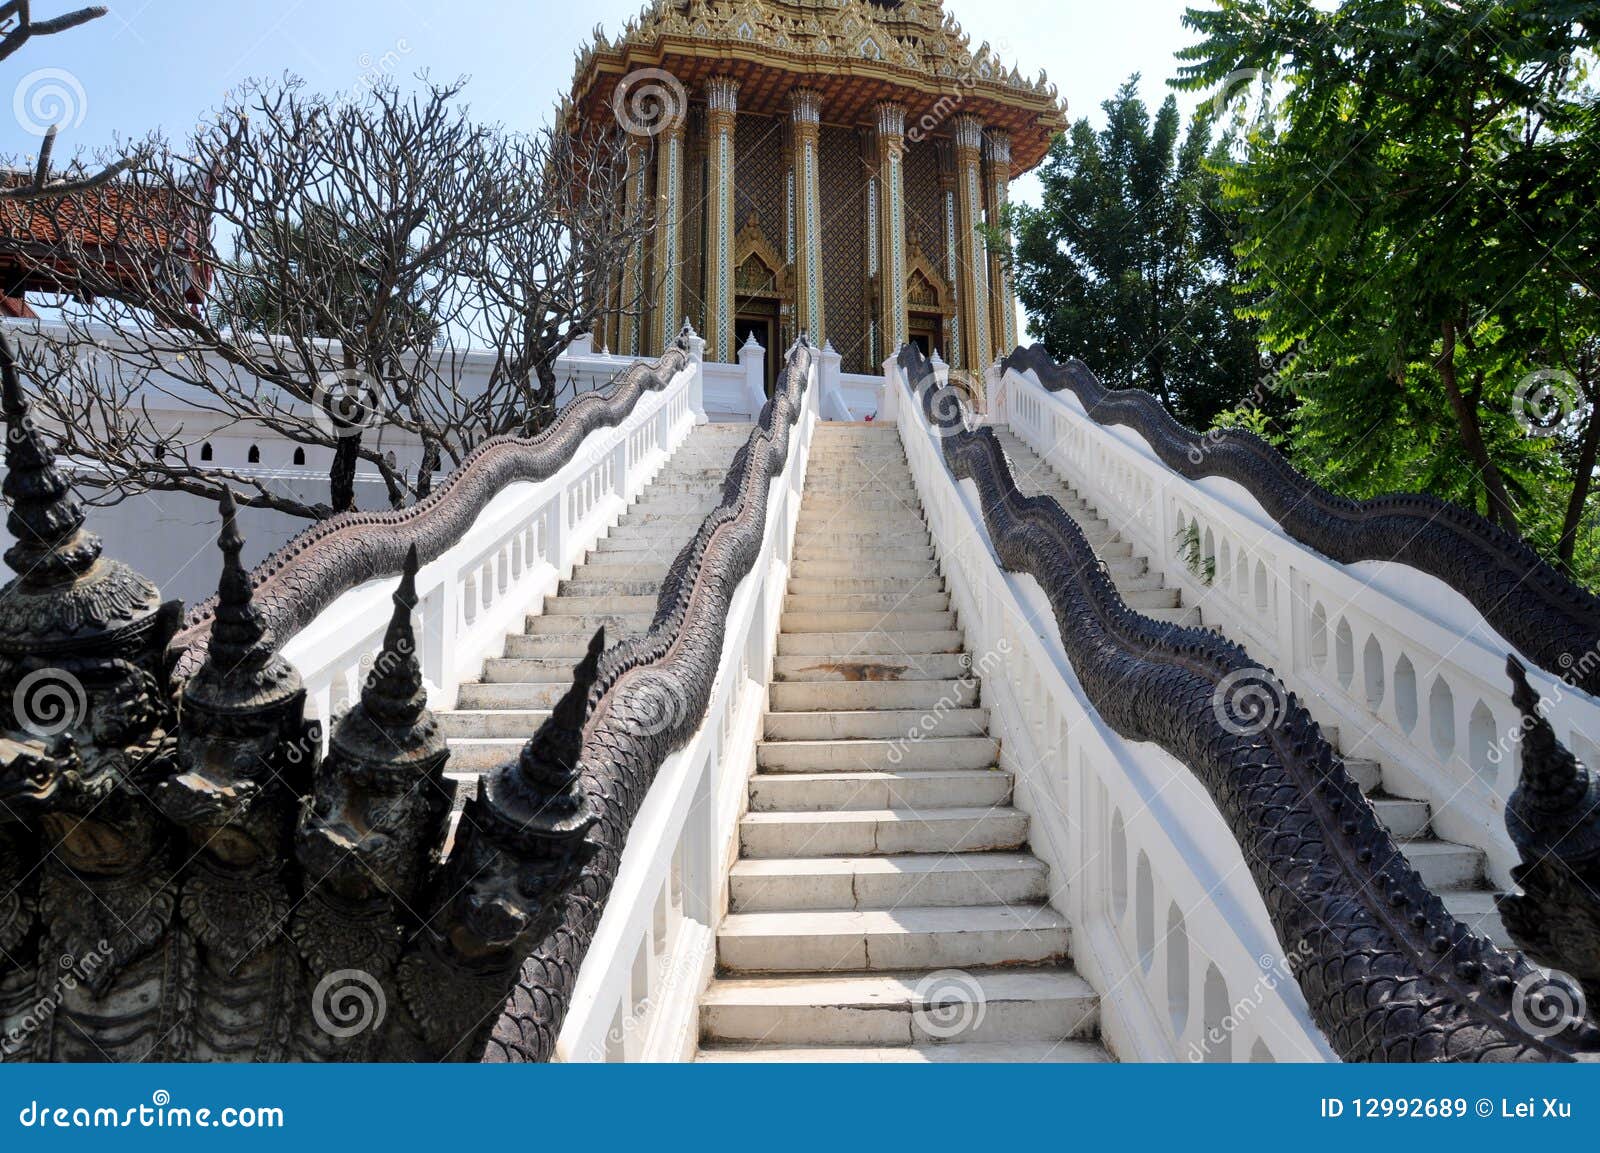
342	474
1501	510
1588	449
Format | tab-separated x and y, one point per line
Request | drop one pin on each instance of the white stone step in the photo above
887	882
647	566
908	789
882	724
503	723
876	640
828	696
855	833
858	538
1035	1052
1475	908
1403	818
928	755
528	670
571	645
867	555
608	588
871	667
616	624
480	754
511	695
1443	864
825	941
930	581
848	622
879	571
901	1008
591	606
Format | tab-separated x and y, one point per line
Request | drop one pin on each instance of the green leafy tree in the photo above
1128	265
1416	213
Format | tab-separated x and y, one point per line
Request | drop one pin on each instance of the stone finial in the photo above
46	517
391	730
536	801
65	597
243	670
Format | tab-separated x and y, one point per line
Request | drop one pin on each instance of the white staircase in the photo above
1456	872
884	906
615	586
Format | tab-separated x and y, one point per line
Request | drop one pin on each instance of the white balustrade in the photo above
1168	925
1405	666
524	542
653	952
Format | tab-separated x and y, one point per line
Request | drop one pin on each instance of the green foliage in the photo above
1128	265
1188	541
1416	210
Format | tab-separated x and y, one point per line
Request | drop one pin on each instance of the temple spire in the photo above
394	694
46	517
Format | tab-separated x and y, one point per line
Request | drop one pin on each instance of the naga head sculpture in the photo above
82	661
526	835
381	796
246	751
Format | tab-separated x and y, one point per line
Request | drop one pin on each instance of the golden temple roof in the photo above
855	52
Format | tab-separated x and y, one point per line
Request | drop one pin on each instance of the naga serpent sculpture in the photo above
649	696
1388	973
184	875
1547	617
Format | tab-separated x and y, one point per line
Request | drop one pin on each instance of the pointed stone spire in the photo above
536	800
1555	808
46	517
391	729
243	671
64	597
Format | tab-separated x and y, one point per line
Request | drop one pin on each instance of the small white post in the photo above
828	384
697	359
753	359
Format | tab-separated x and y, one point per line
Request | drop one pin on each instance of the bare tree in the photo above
351	257
550	271
17	27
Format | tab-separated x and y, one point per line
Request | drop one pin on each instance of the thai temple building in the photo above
819	167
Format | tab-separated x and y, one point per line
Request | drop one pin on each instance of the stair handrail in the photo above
494	538
300	579
652	697
1387	972
1545	615
1403	661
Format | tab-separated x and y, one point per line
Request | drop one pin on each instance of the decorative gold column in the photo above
631	300
669	232
1000	289
721	107
805	110
952	248
891	144
976	335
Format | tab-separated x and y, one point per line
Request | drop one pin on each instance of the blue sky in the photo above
162	63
